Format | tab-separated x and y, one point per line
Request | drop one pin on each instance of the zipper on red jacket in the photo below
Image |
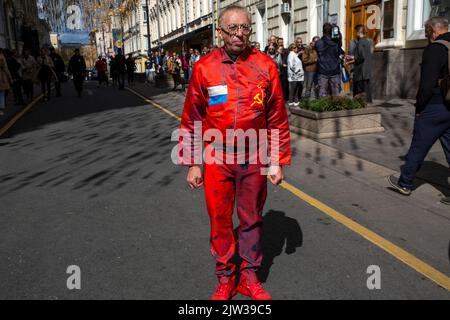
237	88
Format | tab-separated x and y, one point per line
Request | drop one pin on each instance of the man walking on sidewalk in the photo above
432	121
77	67
235	87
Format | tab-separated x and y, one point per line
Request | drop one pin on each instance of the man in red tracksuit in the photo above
235	88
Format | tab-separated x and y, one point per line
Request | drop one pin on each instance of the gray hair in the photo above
437	22
234	7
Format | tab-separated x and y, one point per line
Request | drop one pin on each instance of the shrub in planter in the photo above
332	104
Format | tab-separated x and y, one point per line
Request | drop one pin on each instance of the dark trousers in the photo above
295	91
17	91
362	86
45	87
285	85
28	88
121	80
177	80
78	83
186	75
431	124
58	86
130	77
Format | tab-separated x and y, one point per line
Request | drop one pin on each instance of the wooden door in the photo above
357	14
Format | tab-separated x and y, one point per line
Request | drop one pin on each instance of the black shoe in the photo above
394	183
446	200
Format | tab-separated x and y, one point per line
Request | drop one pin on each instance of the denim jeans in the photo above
309	84
329	85
431	124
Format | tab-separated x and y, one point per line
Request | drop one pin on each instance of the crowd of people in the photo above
20	72
307	71
178	66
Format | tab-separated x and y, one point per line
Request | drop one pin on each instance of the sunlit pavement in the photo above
89	182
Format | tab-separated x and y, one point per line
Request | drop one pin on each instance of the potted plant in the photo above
335	117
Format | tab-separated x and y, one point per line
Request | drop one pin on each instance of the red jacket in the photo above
245	94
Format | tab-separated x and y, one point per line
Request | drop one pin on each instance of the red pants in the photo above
225	185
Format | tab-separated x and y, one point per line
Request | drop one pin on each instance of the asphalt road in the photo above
89	182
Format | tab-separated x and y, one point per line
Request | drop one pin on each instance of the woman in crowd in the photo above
295	76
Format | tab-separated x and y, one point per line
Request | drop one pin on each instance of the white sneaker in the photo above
290	104
296	104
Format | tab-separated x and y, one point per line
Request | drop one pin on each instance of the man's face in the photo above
273	40
298	42
237	42
191	51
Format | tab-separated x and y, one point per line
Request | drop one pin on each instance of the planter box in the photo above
319	125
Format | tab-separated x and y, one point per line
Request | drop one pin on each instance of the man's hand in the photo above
276	175
194	177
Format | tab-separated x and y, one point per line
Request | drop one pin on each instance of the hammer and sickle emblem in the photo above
258	99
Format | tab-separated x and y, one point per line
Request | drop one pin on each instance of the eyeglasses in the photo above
233	29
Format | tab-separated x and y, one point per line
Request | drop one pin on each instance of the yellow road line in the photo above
170	113
404	256
399	253
11	122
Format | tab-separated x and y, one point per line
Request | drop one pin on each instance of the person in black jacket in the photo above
432	121
328	64
77	68
59	69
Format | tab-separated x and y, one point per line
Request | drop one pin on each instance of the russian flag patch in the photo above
217	94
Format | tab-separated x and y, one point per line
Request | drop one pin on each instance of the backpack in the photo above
444	84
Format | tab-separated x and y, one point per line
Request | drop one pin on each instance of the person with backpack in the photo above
432	120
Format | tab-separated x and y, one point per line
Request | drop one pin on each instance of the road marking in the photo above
397	252
156	105
11	122
404	256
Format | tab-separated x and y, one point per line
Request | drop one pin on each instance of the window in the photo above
145	14
319	9
420	11
388	19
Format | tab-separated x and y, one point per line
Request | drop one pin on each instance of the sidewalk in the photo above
12	109
386	149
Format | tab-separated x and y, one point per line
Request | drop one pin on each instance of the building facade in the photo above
181	24
395	26
21	27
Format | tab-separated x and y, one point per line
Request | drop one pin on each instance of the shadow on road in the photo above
279	231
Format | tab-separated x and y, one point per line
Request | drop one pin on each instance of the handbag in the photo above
345	75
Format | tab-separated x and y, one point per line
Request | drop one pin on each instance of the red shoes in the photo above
254	290
225	290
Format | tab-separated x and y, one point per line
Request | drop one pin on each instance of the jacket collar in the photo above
243	56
